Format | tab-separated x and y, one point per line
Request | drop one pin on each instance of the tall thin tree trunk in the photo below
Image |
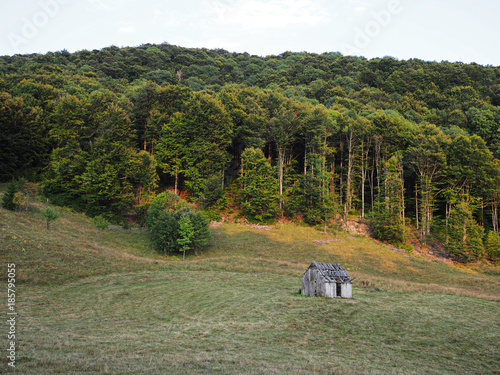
378	144
324	183
280	162
312	177
363	198
403	198
386	195
425	203
332	178
494	215
176	180
365	150
305	170
350	162
372	185
363	178
447	216
428	203
416	202
464	234
341	185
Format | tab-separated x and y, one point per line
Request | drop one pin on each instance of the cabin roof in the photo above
333	272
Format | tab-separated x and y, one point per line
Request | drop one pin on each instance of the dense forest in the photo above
313	138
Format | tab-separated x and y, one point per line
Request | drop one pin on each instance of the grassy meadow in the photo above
104	302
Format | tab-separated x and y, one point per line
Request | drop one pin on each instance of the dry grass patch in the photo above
289	249
108	304
72	249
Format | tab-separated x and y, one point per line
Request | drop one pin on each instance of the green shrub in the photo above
201	231
163	231
213	215
20	200
100	222
175	226
8	197
166	201
50	216
492	246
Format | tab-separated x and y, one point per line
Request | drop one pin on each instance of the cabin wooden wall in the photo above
346	290
308	282
313	284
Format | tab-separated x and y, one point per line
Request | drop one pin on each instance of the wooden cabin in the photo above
326	280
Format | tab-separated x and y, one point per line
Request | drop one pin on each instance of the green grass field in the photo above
105	303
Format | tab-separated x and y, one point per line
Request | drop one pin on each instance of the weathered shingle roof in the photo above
332	272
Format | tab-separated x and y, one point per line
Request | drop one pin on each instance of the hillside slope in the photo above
105	303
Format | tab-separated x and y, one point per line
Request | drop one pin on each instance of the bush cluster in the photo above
175	225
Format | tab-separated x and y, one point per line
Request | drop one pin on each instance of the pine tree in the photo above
8	196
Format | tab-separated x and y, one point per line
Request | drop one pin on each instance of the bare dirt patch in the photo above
358	226
328	240
258	226
215	224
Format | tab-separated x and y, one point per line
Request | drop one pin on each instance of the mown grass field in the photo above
105	303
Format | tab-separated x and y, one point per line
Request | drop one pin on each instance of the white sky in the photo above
435	30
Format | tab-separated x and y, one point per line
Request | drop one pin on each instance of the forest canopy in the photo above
314	137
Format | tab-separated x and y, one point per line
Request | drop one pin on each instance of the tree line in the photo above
312	137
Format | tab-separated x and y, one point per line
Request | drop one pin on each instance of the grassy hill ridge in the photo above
105	303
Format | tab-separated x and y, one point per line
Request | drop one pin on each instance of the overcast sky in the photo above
434	30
